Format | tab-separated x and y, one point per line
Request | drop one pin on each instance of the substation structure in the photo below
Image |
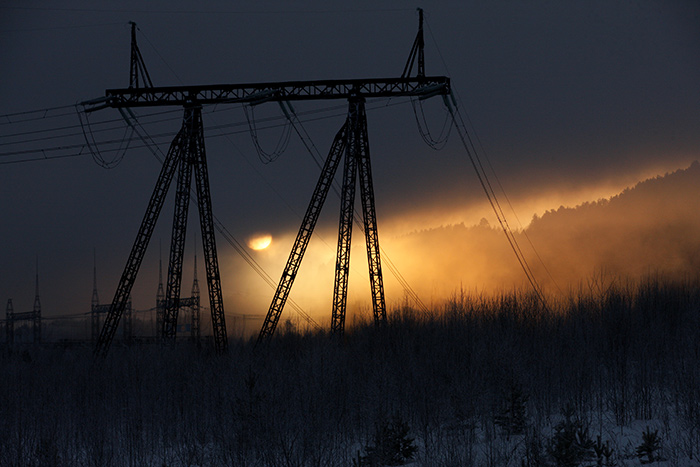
34	317
191	303
187	155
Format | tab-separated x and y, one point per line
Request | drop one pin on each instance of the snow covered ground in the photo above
486	382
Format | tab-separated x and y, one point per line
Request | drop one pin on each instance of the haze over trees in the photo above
651	228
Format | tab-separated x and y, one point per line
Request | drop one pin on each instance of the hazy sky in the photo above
571	101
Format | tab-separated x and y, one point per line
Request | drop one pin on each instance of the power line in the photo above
35	159
211	12
214	109
488	189
53	28
30	115
78	149
464	135
493	201
510	205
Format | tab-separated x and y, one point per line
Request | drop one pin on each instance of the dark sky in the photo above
570	100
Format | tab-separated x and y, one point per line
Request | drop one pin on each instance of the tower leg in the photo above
206	219
320	193
140	244
179	231
347	210
160	315
36	327
36	316
370	219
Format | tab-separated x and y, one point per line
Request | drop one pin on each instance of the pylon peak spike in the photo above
95	296
37	275
137	70
417	53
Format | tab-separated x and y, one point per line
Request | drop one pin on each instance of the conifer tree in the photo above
651	443
571	444
391	445
603	453
512	417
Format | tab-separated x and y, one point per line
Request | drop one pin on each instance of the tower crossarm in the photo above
425	86
101	308
188	301
24	316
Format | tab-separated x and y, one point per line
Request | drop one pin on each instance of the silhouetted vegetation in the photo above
651	444
493	381
391	445
571	444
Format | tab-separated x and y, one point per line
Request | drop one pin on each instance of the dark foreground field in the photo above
610	377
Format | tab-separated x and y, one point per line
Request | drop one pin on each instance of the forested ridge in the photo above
652	227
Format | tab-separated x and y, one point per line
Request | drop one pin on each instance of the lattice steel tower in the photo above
187	155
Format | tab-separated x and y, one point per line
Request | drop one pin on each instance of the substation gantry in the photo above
187	153
192	303
34	316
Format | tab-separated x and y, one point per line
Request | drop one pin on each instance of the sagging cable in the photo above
283	142
92	145
424	130
495	205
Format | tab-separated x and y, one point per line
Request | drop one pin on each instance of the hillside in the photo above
652	227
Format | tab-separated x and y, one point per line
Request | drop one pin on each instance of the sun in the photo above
259	241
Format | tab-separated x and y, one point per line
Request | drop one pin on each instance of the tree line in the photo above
492	380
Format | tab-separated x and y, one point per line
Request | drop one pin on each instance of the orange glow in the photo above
260	241
643	230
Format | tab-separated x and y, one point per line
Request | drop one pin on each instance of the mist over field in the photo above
650	228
